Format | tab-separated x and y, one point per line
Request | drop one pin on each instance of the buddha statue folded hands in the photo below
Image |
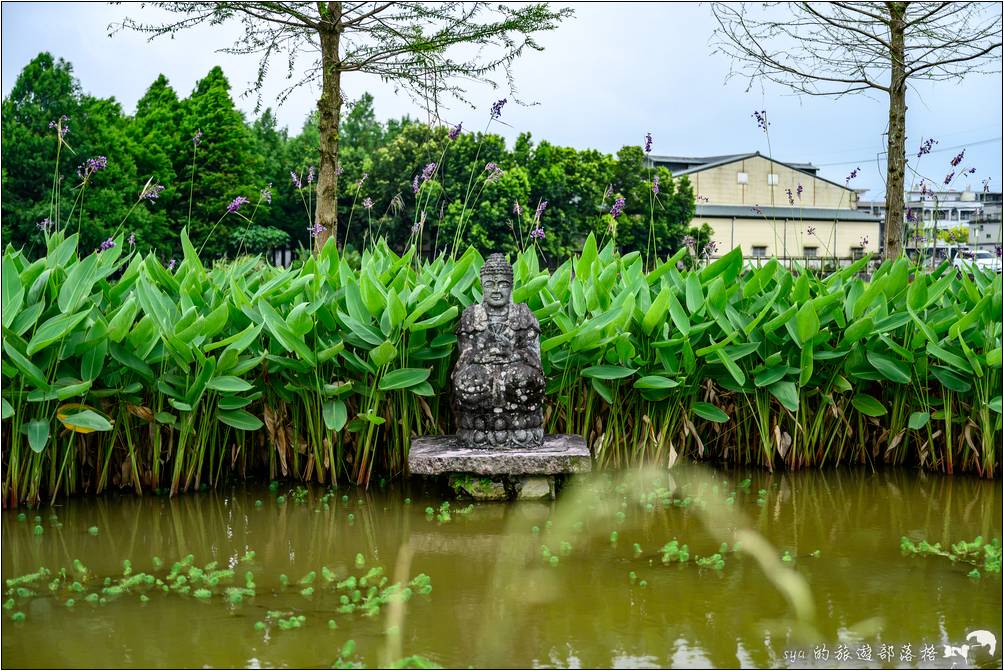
498	382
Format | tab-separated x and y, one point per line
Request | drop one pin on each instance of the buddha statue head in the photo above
496	282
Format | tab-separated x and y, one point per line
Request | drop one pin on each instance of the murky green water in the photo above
498	601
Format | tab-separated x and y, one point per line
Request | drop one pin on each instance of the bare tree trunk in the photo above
329	108
896	150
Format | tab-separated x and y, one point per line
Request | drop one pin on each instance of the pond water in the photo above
819	565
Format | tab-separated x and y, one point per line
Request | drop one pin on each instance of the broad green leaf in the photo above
918	420
868	405
229	384
383	354
53	329
85	422
31	372
655	382
695	295
891	368
709	412
606	372
12	291
240	419
734	370
335	414
404	378
806	323
38	434
7	409
786	393
78	284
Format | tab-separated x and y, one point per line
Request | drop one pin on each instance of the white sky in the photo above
607	76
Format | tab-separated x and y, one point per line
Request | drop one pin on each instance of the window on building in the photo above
810	252
771	179
988	236
857	252
742	178
759	252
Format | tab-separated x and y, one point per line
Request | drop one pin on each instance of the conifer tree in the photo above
226	166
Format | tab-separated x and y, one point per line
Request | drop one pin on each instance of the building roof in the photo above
697	163
716	161
768	213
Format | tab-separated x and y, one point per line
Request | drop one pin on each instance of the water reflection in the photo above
500	600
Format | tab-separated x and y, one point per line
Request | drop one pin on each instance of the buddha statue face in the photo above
496	282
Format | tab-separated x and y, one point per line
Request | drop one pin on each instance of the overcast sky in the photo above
606	77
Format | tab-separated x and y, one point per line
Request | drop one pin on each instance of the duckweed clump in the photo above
977	552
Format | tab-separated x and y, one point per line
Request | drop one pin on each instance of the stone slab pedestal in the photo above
494	475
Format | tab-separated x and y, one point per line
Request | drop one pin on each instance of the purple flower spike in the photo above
415	185
107	244
132	239
368	203
926	146
497	108
236	204
541	206
310	175
798	191
266	193
910	216
428	171
339	170
958	158
295	179
170	266
854	173
617	208
196	140
791	197
710	249
655	185
648	142
864	241
761	119
537	233
362	179
757	209
811	230
494	172
949	177
986	188
516	209
689	242
152	192
61	125
455	131
316	230
44	225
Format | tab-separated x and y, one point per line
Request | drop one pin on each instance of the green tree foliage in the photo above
481	192
226	165
45	90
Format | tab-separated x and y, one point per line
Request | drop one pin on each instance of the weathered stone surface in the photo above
534	488
560	453
498	382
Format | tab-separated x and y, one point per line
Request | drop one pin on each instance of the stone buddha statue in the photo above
498	384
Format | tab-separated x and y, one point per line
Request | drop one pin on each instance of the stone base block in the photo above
438	455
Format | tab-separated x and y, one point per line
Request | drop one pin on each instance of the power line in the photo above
933	151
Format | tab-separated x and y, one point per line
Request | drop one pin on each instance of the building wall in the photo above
720	186
985	234
787	238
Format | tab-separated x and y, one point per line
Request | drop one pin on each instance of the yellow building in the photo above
770	208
